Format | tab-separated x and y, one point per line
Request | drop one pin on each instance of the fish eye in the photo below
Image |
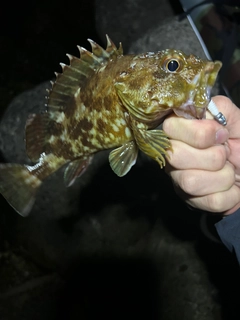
172	65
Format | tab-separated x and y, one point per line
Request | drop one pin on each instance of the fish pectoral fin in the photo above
153	143
75	169
123	158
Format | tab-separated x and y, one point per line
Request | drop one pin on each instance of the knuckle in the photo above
223	100
201	138
219	157
167	125
187	182
229	174
215	202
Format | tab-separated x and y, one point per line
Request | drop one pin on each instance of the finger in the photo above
234	155
199	134
232	114
201	183
213	158
222	202
237	179
227	107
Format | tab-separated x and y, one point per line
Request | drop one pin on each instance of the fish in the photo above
106	100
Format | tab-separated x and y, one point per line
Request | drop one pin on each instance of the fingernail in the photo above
222	135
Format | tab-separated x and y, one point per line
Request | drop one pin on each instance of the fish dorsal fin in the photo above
36	133
75	74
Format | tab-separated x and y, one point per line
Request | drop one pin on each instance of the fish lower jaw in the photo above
188	110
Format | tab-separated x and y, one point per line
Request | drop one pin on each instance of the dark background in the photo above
35	36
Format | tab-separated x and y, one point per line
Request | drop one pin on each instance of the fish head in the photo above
188	81
157	84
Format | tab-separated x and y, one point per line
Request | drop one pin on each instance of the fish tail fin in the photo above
19	185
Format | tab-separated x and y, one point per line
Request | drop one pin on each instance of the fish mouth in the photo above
199	92
189	110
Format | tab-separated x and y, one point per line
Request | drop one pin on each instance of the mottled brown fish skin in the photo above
108	100
96	119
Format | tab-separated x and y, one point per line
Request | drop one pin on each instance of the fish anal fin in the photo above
35	134
123	158
75	169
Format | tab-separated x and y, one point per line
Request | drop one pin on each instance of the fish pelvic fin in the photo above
18	185
123	158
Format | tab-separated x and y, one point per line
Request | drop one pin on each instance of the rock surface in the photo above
128	20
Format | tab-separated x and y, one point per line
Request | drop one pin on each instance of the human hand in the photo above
205	162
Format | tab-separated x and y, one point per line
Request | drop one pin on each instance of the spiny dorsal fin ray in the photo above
98	50
112	49
75	74
89	57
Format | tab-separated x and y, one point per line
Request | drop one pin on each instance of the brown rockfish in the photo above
106	100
